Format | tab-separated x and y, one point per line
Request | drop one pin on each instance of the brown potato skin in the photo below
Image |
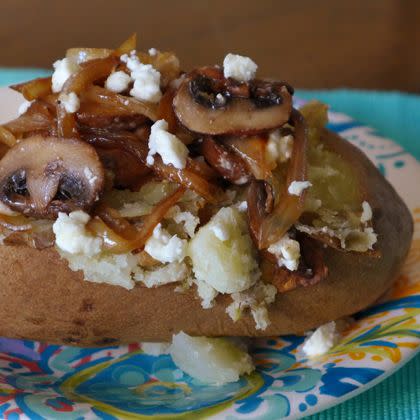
42	299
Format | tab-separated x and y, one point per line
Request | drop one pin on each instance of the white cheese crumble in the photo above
153	51
24	106
70	101
118	81
256	299
167	145
287	251
89	175
156	349
146	79
220	99
239	67
164	247
367	212
321	340
63	69
279	148
71	235
186	218
297	187
242	206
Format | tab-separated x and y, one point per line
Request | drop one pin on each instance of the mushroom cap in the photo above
41	176
242	109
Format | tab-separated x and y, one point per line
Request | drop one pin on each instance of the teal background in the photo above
394	115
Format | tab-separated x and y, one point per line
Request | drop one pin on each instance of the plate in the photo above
49	381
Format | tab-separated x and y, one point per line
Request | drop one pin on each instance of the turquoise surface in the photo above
394	115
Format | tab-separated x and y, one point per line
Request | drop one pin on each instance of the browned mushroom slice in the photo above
206	106
42	176
226	162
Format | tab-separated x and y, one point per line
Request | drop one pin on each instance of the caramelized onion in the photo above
30	123
15	223
81	55
120	236
7	137
288	208
190	177
253	151
127	170
127	46
112	102
90	72
34	89
226	162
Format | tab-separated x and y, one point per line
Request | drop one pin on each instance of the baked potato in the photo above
251	220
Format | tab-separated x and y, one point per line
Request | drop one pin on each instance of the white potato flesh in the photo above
211	360
223	254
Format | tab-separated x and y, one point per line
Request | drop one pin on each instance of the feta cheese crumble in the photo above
167	145
297	187
89	175
242	206
287	251
323	339
239	67
118	81
153	52
366	213
71	235
164	247
70	101
146	79
63	69
186	218
24	106
279	148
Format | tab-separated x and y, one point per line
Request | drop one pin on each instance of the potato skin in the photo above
42	299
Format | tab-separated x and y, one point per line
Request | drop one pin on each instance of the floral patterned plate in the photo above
48	381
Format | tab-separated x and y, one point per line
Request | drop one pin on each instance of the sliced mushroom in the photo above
226	162
127	170
42	176
207	103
